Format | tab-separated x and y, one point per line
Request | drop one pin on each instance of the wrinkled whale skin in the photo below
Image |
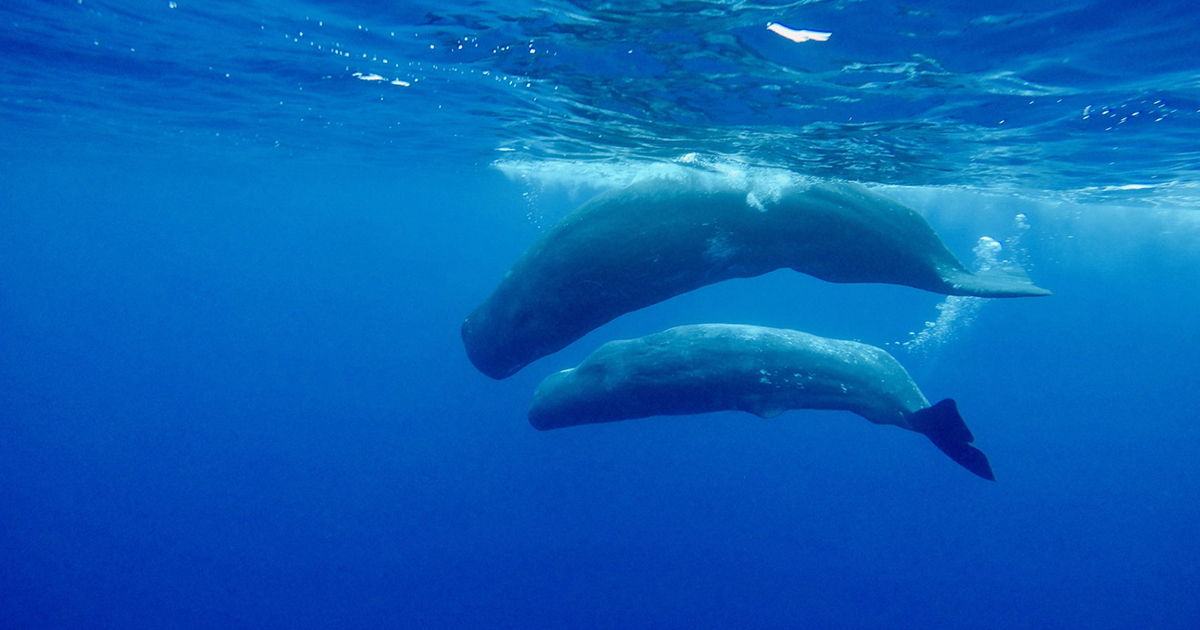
725	367
638	246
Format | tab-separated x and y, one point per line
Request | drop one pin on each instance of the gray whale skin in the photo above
630	248
765	371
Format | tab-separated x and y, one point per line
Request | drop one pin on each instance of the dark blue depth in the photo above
233	392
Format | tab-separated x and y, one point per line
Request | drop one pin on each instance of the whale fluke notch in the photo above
944	426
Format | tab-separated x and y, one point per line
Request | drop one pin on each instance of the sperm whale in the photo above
764	371
630	248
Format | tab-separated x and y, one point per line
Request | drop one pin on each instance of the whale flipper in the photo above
943	425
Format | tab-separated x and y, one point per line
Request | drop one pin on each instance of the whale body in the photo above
764	371
631	248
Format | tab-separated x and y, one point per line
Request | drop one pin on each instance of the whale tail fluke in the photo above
1008	281
943	425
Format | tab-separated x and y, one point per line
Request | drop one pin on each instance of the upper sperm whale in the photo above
630	248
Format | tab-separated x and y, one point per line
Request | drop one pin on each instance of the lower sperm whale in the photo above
765	371
638	246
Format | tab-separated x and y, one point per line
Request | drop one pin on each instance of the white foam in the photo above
762	185
1128	187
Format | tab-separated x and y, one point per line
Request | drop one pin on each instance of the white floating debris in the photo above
367	77
797	36
1129	187
400	83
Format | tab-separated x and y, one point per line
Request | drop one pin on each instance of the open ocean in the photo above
238	240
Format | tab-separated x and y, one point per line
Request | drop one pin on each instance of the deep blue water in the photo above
233	392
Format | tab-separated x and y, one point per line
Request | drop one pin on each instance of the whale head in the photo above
485	353
516	326
598	390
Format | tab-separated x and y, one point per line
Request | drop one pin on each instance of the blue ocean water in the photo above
238	240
